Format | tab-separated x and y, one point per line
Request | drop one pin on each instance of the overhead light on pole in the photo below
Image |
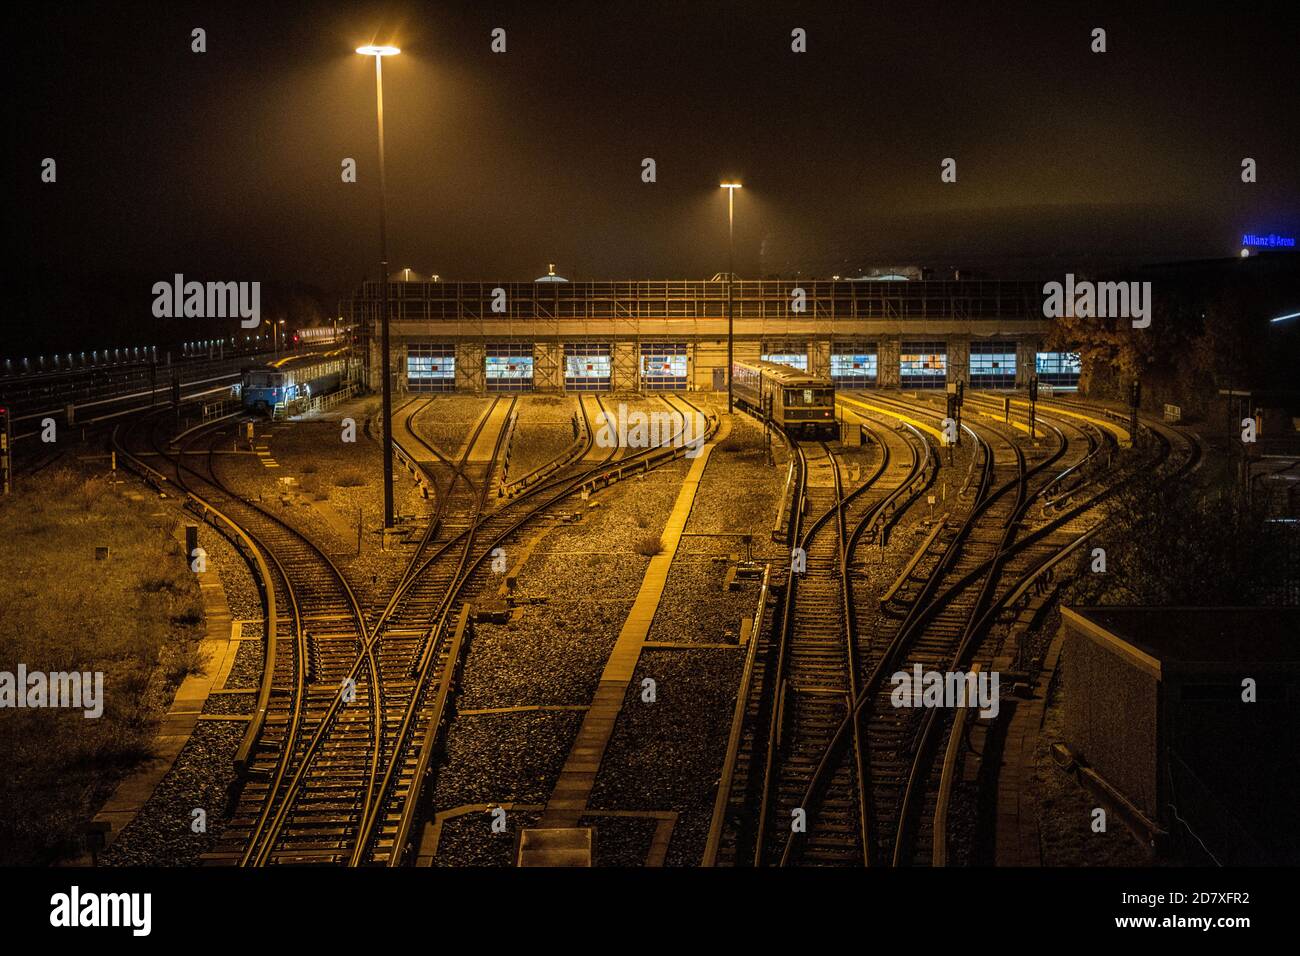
379	52
731	256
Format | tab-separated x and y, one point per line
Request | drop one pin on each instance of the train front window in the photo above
807	397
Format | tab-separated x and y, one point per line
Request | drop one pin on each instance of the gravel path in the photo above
543	431
585	576
620	841
528	749
668	754
161	833
469	839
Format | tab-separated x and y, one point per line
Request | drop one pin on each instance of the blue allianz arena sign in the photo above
1271	241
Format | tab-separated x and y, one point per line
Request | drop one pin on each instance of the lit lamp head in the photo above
730	186
378	50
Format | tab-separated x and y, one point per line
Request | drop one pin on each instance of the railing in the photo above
961	300
323	403
212	411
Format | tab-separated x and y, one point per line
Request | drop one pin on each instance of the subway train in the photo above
800	404
273	388
323	335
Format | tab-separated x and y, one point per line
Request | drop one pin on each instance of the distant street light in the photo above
379	52
731	255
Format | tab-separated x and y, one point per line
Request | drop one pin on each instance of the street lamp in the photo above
731	254
379	52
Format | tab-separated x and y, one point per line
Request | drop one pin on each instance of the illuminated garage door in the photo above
853	364
993	365
923	365
431	368
1058	369
663	366
508	367
786	353
586	366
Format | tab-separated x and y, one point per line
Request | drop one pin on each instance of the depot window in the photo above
853	365
785	353
923	365
993	365
430	368
586	366
663	365
508	367
1058	369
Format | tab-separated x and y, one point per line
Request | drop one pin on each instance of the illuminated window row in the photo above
993	365
853	365
508	367
663	366
1058	369
586	367
794	354
431	368
923	365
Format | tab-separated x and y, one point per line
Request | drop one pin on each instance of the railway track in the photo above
810	665
319	641
354	700
874	789
419	736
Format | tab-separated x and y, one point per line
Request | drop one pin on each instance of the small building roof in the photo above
1194	635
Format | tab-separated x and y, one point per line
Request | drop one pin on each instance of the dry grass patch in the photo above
135	617
350	478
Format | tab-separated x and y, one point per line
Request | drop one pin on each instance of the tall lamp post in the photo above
731	255
379	52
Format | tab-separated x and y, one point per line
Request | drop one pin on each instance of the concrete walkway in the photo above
568	802
483	449
1016	841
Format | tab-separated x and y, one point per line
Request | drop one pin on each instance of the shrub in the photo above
350	478
649	545
313	486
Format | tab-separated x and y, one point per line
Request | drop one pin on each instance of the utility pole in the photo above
379	52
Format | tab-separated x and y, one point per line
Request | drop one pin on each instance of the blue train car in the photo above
272	389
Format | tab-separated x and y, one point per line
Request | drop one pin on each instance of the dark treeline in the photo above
1210	329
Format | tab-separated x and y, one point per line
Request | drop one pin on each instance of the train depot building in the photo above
553	335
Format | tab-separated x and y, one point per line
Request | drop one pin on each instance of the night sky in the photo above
226	164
